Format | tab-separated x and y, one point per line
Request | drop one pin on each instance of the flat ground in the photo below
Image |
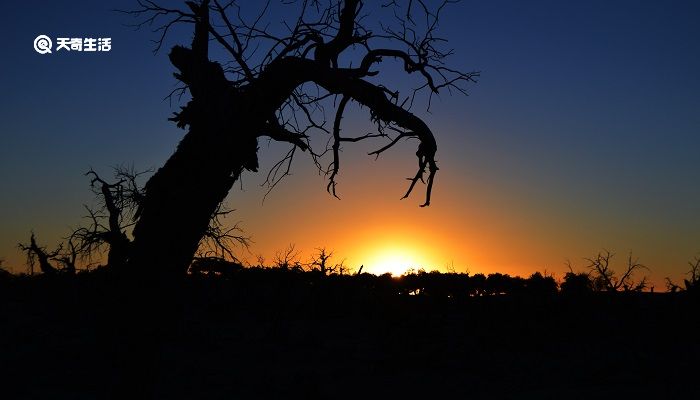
87	337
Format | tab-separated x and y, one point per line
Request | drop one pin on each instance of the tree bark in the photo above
182	196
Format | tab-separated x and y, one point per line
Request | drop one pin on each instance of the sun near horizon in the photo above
395	259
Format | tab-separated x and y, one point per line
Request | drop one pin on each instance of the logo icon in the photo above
43	44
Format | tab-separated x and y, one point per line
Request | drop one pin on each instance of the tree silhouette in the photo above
38	254
539	284
692	283
577	283
114	215
605	279
321	262
277	83
288	259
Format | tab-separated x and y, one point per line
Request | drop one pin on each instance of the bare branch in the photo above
219	241
38	254
606	279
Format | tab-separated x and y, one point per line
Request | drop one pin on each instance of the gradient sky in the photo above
582	134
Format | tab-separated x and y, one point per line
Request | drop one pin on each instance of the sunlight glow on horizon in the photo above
395	259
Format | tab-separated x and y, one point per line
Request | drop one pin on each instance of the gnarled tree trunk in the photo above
183	195
225	118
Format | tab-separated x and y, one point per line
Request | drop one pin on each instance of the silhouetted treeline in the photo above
433	284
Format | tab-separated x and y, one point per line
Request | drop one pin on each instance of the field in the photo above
280	334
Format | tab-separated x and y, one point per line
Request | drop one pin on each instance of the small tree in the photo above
320	262
109	222
38	254
576	283
541	284
692	283
117	208
606	279
288	259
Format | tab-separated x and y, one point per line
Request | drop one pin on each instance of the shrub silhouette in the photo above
214	266
576	283
538	284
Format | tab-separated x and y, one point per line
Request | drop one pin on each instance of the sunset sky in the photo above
583	133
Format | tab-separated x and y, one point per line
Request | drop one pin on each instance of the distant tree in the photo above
457	284
605	278
541	284
412	283
478	282
39	255
288	259
69	257
109	222
276	82
692	283
106	229
498	283
671	286
320	262
576	283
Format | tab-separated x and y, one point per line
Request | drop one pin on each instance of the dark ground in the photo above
274	337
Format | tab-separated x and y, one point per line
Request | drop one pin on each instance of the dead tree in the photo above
320	262
65	256
606	279
110	220
108	226
692	283
276	83
69	257
37	254
288	259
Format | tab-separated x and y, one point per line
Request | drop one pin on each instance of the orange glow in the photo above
473	225
394	259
